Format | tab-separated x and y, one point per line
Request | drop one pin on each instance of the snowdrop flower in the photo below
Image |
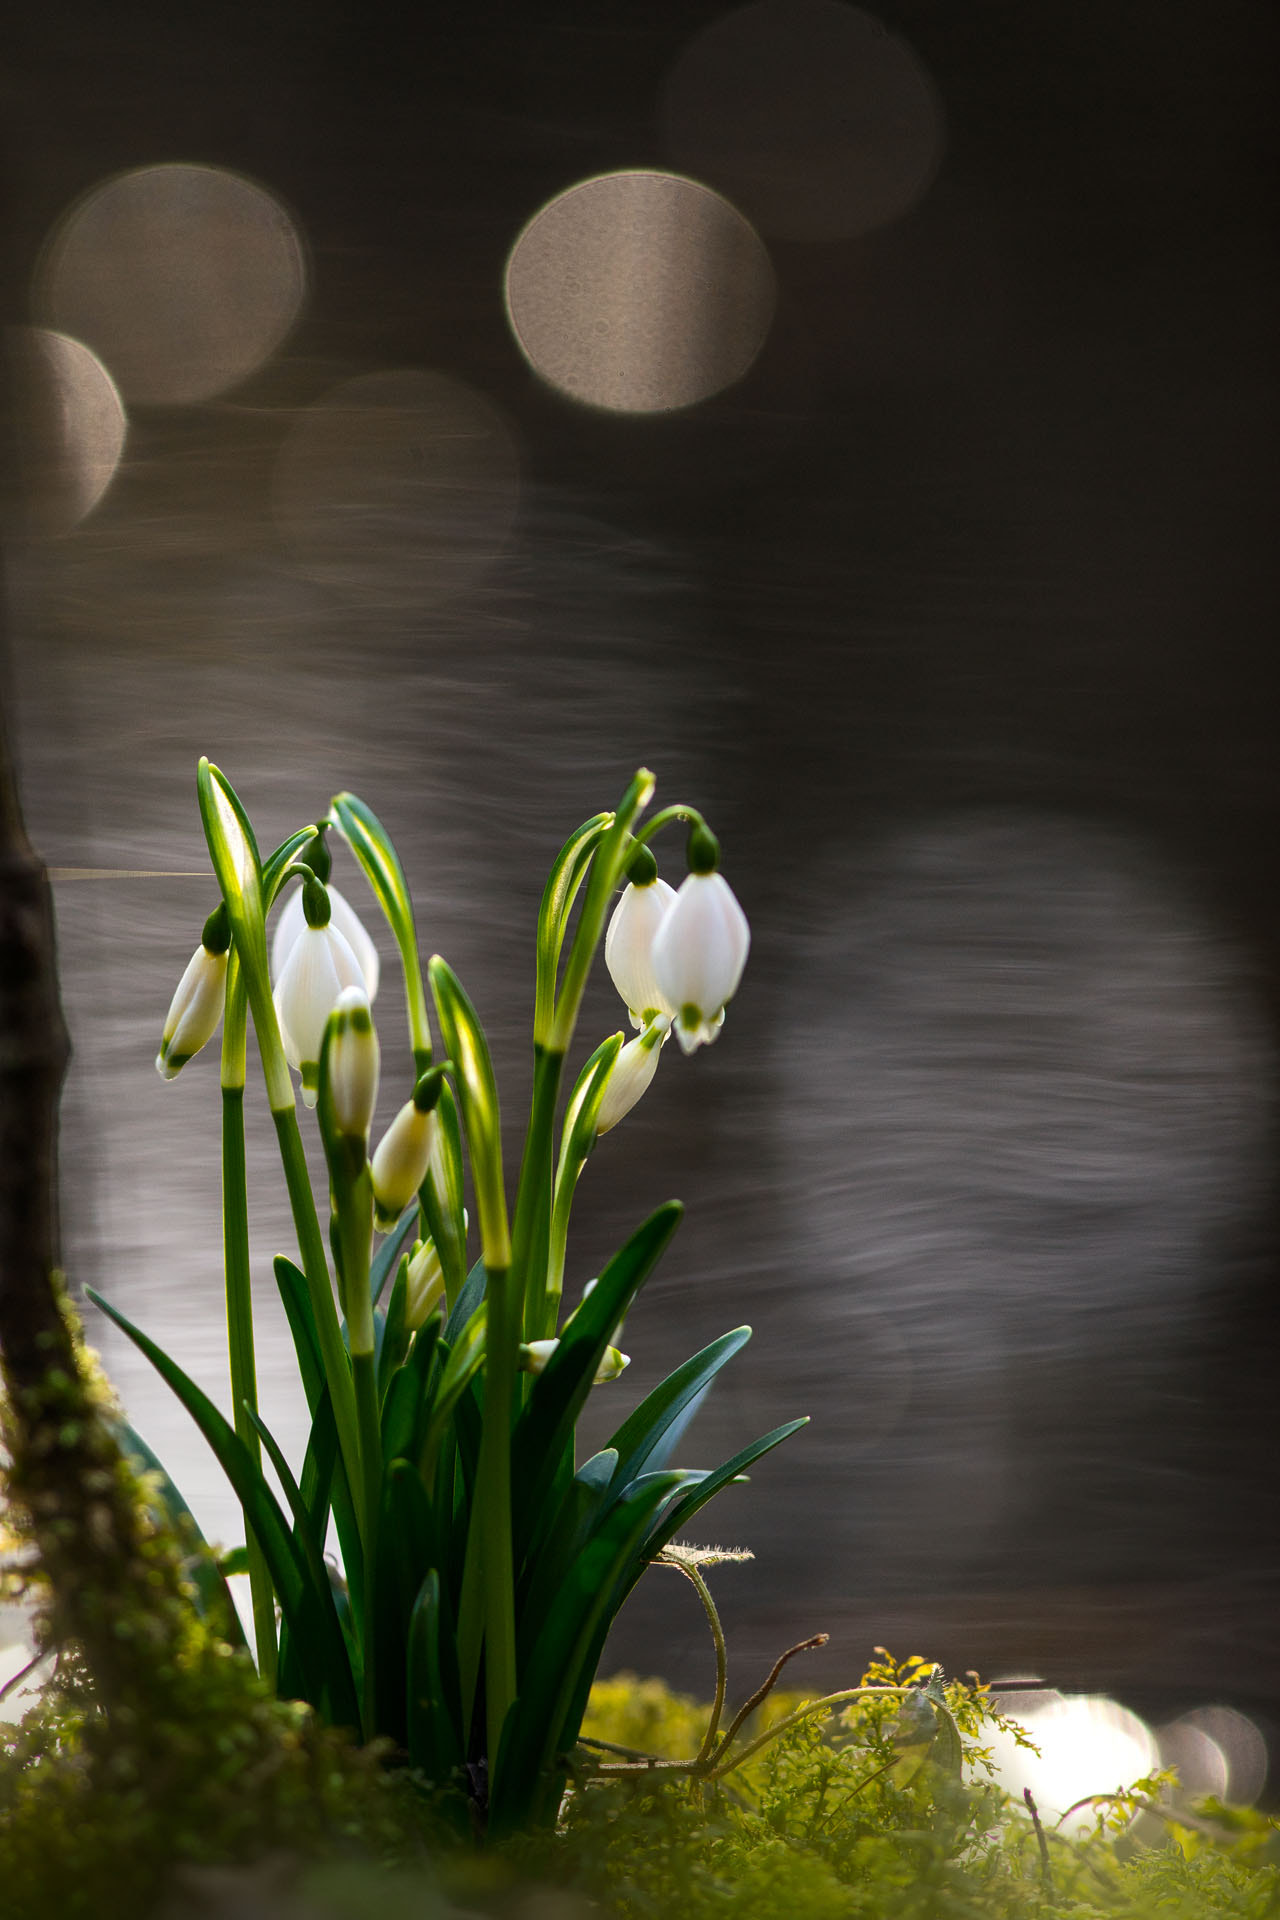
699	953
425	1283
318	966
348	923
534	1355
628	948
631	1073
353	1063
403	1154
196	1007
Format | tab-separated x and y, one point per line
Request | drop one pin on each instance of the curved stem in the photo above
664	818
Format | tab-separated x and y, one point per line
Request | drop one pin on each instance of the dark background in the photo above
957	616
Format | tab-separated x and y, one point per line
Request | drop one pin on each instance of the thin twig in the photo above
1046	1871
762	1693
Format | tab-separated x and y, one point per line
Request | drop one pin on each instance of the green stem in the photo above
533	1194
364	1369
337	1367
664	818
491	1513
606	869
235	1253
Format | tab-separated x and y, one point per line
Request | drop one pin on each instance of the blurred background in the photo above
867	421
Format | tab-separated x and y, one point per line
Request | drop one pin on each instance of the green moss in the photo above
160	1776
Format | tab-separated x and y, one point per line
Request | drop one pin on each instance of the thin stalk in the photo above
533	1194
606	869
491	1514
722	1655
337	1367
235	1254
664	818
827	1704
365	1372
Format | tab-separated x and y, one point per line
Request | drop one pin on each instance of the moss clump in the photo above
158	1743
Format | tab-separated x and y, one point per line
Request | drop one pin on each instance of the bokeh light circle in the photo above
70	428
817	120
183	279
640	292
397	488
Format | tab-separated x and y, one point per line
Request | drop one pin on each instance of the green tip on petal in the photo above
703	850
642	868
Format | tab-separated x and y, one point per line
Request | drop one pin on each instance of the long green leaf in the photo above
709	1485
342	1706
407	1407
406	1550
441	1194
551	1680
641	1437
324	1473
546	1425
387	1259
583	1501
434	1706
302	1606
213	1595
372	846
396	1333
465	1044
467	1303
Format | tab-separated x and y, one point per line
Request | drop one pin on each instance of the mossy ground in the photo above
159	1776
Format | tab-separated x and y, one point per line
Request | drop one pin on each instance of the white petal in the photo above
701	947
401	1160
318	966
344	917
354	1061
194	1011
629	1077
628	947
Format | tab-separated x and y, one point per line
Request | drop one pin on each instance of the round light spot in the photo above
1089	1745
640	292
184	279
70	428
820	122
397	488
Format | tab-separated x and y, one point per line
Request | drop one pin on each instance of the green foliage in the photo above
482	1567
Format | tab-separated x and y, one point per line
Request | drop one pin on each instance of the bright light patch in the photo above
1089	1745
70	428
640	292
184	279
820	122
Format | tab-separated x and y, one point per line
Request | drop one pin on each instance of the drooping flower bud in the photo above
424	1283
353	1065
631	1073
348	923
628	948
699	953
403	1154
196	1007
534	1355
318	966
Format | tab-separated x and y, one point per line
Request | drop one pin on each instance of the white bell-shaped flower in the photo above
194	1012
631	1073
344	917
628	948
400	1163
699	953
354	1062
425	1283
534	1355
318	966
